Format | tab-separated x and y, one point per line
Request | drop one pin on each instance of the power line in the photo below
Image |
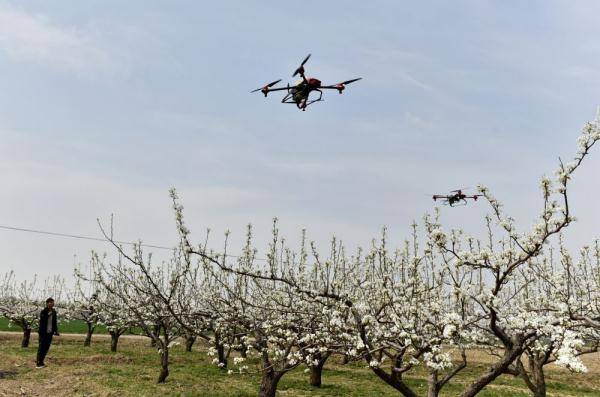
80	237
67	235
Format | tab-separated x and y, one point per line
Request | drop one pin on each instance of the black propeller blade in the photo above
351	81
267	86
301	68
459	190
305	59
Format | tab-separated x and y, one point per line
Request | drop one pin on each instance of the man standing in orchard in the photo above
47	329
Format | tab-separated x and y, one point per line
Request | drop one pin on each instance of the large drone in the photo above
456	197
299	94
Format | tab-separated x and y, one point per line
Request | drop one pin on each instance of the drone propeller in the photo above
459	190
341	86
305	60
265	89
301	68
351	81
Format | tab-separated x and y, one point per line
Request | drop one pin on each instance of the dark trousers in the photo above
45	341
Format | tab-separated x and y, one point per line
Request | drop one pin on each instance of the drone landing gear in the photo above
302	103
460	203
306	102
316	100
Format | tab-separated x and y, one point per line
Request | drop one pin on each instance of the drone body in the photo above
456	197
299	93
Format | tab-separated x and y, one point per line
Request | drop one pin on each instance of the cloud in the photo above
34	38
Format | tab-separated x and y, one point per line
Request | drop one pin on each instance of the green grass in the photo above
78	371
67	327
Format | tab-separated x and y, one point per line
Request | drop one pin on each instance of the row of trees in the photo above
20	301
520	296
81	301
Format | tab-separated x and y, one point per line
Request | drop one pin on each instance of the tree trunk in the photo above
345	359
268	384
164	363
395	381
220	352
189	342
26	337
315	375
317	370
221	355
394	378
538	386
497	369
156	331
243	349
114	340
88	336
433	389
540	391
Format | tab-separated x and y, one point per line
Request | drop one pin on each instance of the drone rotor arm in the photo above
271	84
278	89
341	86
267	88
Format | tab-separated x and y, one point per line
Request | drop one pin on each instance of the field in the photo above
68	327
77	371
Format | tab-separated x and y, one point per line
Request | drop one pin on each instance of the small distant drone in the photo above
299	93
456	197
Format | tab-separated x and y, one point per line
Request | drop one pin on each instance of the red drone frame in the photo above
299	93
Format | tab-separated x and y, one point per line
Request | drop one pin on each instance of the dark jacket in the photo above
44	321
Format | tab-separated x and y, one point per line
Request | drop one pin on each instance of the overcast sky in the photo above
105	105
